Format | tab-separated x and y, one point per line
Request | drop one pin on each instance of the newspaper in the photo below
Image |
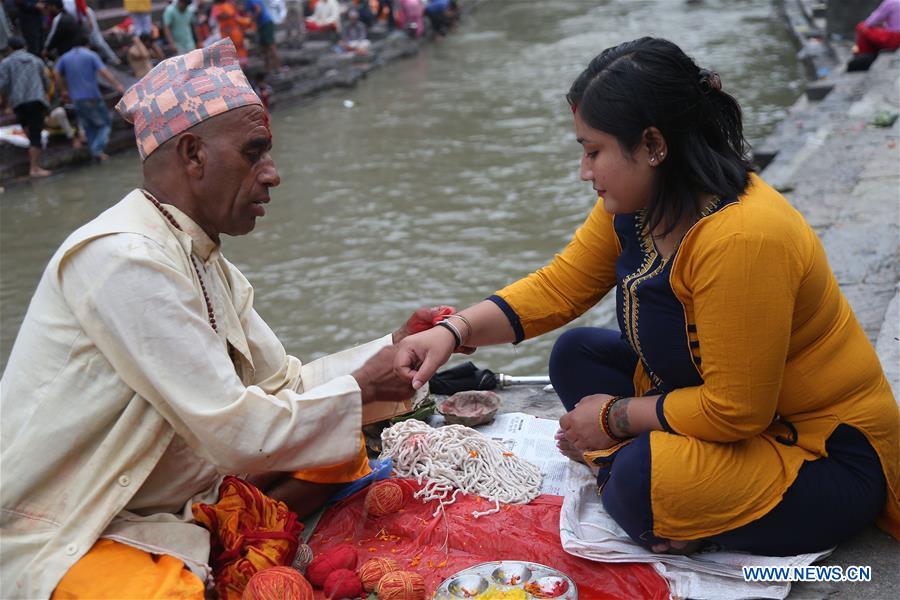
531	438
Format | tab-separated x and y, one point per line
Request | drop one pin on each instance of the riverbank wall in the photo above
312	67
836	157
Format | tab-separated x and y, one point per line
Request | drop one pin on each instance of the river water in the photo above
453	173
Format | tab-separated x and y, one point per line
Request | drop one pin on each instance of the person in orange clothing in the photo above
740	402
232	24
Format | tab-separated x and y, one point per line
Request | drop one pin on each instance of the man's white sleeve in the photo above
148	319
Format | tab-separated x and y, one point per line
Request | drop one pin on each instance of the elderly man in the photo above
142	374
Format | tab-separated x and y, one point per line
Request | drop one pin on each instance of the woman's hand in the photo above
419	356
581	426
422	319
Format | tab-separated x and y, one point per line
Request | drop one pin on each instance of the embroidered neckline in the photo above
652	264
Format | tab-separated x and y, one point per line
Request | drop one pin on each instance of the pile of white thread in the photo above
454	459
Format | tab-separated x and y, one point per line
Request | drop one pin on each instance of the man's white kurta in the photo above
121	406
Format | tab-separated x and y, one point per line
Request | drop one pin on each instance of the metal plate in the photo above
507	580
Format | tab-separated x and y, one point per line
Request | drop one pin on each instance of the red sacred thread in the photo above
401	585
278	583
342	556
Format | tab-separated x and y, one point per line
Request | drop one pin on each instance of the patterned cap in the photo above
184	90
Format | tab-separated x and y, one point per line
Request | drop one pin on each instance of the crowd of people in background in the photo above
61	71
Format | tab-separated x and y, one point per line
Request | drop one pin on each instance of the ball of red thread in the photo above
401	585
384	498
324	564
371	571
343	583
278	583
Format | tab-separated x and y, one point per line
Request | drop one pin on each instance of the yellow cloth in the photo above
344	472
777	337
117	571
250	532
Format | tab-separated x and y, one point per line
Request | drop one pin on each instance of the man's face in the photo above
239	171
182	5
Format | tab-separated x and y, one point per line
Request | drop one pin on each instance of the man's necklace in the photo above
168	215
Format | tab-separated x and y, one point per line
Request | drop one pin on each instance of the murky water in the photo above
454	173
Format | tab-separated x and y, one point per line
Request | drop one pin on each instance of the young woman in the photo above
740	403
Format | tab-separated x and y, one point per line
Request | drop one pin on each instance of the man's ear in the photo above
192	154
654	143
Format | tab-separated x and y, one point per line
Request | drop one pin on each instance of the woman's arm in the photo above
574	281
422	354
627	418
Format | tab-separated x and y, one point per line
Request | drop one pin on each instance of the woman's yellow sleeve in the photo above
743	288
574	281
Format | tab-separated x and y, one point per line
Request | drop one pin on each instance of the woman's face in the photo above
623	180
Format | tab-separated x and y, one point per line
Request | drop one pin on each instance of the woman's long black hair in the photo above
651	82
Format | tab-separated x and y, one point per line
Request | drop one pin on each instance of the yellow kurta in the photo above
777	338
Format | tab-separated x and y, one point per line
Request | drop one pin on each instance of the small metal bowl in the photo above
511	574
468	586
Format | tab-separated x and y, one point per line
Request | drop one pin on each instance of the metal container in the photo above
508	579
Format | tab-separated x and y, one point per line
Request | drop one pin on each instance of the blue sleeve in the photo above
61	66
511	315
661	415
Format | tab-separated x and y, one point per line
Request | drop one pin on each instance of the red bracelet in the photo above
604	419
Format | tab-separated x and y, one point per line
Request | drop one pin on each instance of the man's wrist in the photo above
362	380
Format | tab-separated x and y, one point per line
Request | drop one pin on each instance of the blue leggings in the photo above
831	499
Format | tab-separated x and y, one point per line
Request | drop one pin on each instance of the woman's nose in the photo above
585	170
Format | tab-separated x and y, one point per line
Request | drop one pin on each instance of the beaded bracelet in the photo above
604	419
456	335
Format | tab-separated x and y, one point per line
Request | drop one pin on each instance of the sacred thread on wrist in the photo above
456	335
604	419
464	320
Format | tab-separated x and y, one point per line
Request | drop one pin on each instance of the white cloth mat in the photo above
588	531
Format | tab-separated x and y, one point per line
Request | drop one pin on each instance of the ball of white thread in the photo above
455	458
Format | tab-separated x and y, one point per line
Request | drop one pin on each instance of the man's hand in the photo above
377	378
581	426
419	356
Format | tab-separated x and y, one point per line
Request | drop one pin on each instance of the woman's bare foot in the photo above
567	449
39	172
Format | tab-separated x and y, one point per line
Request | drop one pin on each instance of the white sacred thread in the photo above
454	459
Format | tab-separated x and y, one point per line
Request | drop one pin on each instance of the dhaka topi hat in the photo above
184	90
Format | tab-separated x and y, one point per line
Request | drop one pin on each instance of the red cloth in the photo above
871	40
528	532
